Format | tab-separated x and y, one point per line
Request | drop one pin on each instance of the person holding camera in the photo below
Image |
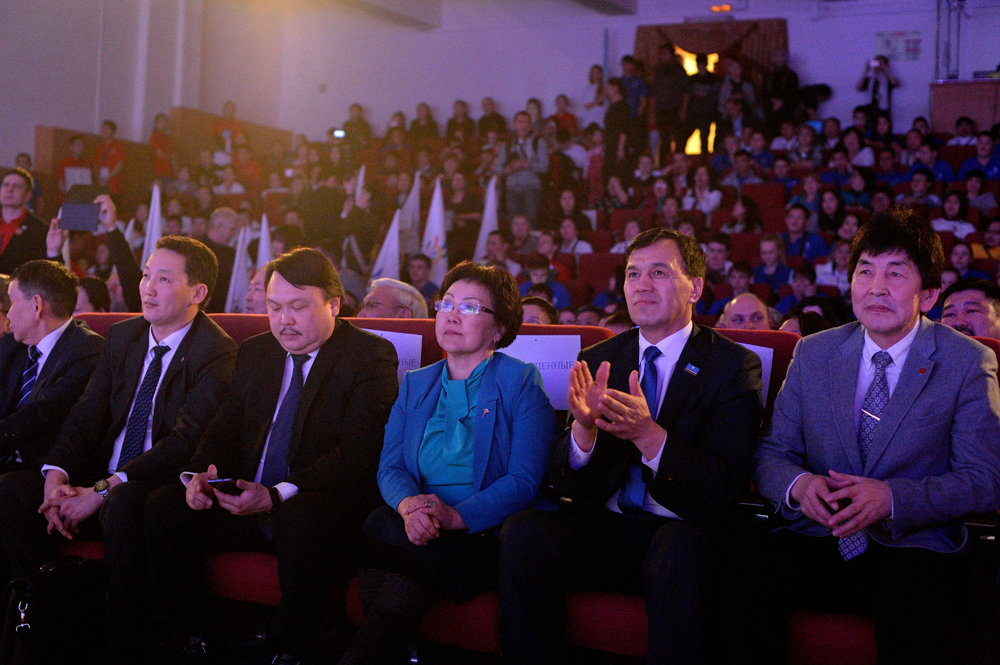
881	82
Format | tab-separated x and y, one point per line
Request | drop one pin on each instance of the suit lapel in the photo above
57	358
327	357
844	384
186	347
486	415
420	409
912	379
263	400
682	382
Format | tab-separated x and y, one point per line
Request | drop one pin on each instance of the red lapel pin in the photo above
922	370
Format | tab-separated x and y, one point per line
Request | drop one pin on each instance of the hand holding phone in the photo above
226	486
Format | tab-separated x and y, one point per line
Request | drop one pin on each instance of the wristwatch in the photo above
275	499
101	487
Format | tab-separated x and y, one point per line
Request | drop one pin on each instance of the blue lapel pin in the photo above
691	369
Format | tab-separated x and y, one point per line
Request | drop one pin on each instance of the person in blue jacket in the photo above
465	447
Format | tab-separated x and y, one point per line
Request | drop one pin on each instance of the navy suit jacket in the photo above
514	428
32	429
937	445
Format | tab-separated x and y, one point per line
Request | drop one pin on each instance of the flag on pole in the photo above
409	220
154	228
361	182
239	280
387	262
491	221
434	238
264	243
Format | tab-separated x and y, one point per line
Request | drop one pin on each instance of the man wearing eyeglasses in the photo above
391	299
298	438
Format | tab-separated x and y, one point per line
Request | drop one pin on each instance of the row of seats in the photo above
608	622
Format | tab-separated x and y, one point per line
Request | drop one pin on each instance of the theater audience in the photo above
960	259
419	267
984	201
540	272
745	312
589	315
772	270
746	217
954	216
92	296
804	323
465	447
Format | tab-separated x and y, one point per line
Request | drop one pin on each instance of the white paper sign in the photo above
407	346
766	354
554	356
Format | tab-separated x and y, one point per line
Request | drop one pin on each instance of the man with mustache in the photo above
972	306
299	437
883	437
157	384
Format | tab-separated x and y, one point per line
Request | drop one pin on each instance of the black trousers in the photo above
912	594
544	554
119	523
461	564
672	134
312	537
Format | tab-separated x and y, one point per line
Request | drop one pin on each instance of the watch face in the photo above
100	485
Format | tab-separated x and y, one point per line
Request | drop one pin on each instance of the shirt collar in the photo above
173	340
897	351
47	343
671	345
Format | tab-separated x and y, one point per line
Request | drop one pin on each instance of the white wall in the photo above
73	64
520	48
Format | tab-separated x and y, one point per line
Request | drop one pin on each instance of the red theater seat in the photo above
596	269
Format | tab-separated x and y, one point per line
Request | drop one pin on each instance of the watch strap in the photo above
275	499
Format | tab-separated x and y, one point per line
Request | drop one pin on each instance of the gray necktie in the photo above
871	413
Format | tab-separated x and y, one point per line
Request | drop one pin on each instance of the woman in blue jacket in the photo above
466	446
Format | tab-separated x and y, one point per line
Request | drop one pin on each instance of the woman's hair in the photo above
751	220
831	222
576	224
507	308
713	181
97	293
963	203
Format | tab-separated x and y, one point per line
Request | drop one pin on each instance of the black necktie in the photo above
276	458
135	431
28	376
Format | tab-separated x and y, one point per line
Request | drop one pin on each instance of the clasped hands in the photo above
820	499
425	516
625	415
254	499
66	506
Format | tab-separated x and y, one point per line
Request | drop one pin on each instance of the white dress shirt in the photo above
172	340
670	350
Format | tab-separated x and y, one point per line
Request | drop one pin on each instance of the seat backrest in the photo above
242	326
430	352
782	343
597	268
100	322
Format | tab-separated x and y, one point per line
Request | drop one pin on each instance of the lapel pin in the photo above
691	369
485	412
922	370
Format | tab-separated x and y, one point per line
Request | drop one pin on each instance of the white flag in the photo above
387	262
264	243
361	182
434	237
154	227
239	280
409	220
491	221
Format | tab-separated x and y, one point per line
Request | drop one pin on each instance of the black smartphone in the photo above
226	486
78	216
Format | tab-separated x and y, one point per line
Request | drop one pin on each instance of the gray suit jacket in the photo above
938	444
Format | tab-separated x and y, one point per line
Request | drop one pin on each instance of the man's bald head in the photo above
746	312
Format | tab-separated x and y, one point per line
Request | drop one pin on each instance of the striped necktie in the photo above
28	376
633	493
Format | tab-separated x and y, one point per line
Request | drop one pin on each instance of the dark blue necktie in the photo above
276	458
633	492
28	376
138	420
871	413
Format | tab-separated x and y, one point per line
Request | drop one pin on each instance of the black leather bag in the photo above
55	614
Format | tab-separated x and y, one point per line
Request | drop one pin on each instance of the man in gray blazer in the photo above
885	433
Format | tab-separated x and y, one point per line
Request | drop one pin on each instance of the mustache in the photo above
964	328
288	331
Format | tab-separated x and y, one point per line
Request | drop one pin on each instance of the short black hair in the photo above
691	252
507	308
743	267
111	124
305	266
806	270
52	281
546	306
988	288
423	258
543	291
97	293
721	238
901	230
200	263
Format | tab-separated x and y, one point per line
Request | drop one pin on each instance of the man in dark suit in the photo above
300	432
22	235
45	362
657	453
157	384
884	435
